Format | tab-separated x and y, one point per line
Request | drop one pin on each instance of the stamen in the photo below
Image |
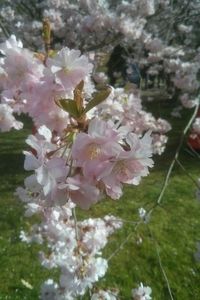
93	151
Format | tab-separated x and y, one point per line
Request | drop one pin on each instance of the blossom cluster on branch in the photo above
32	84
161	36
74	248
89	142
77	157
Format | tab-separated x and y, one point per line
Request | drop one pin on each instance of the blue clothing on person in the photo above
133	74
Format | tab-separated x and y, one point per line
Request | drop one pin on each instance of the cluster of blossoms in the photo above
95	23
98	162
141	293
85	150
30	83
174	67
74	247
162	35
125	107
80	167
105	295
75	159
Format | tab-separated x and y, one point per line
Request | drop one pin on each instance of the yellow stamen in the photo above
93	151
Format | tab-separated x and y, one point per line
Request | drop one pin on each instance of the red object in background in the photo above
194	141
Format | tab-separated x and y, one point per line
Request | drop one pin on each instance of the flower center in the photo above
120	168
93	151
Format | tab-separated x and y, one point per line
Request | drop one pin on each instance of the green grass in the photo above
173	228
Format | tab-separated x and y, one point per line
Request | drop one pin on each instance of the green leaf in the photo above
69	106
98	98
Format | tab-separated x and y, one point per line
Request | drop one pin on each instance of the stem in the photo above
5	31
187	173
120	246
194	151
124	242
177	154
160	264
163	271
165	184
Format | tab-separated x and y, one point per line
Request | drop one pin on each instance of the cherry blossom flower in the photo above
80	261
82	192
104	295
69	67
141	293
93	151
129	166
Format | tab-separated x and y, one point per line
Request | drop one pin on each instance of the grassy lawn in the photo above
168	240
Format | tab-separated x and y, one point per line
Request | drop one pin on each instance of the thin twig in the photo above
163	271
124	242
190	152
194	151
187	173
160	263
177	154
120	246
5	31
165	184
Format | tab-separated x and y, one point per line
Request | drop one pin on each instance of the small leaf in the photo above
52	53
69	106
98	98
46	31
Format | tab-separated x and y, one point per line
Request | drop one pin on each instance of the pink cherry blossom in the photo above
69	67
129	166
82	192
93	150
142	293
